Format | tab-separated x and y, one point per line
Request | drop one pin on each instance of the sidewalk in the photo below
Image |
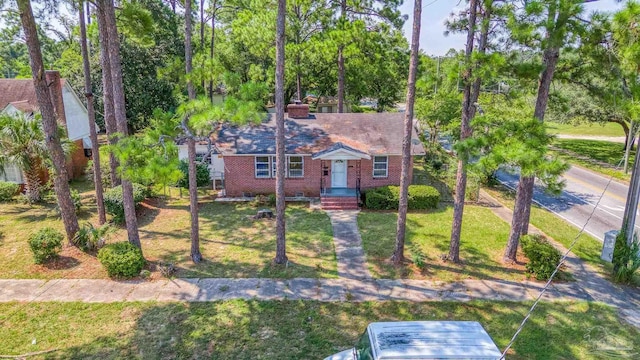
209	289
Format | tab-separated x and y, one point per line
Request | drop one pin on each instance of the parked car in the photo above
422	340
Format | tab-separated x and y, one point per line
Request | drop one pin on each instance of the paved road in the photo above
577	201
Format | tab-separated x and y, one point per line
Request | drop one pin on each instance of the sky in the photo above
435	12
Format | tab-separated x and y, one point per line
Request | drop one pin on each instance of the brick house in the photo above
329	155
18	96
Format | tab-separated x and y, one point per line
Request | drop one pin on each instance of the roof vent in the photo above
298	110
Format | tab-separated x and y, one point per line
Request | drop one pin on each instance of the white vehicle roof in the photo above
432	340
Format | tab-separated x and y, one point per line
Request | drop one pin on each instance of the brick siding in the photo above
240	176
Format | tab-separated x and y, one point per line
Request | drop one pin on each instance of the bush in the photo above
264	200
76	198
543	257
8	190
121	259
203	177
387	197
90	238
105	170
113	201
626	258
45	244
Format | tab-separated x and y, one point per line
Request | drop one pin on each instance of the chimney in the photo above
55	92
298	110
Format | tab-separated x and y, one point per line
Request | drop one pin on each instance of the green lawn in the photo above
587	248
601	156
292	329
232	244
608	129
484	237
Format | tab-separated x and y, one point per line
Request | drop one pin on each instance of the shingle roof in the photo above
19	91
370	133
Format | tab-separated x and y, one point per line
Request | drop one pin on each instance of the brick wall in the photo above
77	162
240	176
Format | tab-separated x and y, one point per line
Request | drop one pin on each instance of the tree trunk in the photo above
213	42
341	70
465	132
120	116
32	184
524	193
281	252
107	93
202	41
50	125
398	253
196	256
95	152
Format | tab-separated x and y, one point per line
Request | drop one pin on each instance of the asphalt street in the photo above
582	192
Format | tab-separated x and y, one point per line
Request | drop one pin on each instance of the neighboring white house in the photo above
18	96
215	163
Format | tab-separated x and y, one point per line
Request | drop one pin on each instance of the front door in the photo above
339	174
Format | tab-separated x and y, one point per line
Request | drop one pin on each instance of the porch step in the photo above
339	203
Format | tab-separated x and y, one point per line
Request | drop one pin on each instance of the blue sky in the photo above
434	13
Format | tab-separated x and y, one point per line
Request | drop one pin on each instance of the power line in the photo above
555	271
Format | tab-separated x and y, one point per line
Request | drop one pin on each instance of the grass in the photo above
608	129
232	244
601	156
587	248
241	329
483	237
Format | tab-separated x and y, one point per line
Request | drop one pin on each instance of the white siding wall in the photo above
12	174
216	162
77	117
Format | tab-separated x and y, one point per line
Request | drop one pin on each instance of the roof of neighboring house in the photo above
20	93
370	133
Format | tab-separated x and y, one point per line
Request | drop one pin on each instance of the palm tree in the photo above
22	144
281	252
398	253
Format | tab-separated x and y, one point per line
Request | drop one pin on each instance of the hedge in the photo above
387	197
203	176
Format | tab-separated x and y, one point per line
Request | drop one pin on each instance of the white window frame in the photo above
255	167
301	162
386	167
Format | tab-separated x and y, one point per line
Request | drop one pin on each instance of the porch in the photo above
340	176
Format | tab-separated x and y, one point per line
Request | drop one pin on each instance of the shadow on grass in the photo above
312	330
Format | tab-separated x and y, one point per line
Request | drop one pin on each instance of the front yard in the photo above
232	244
242	329
484	238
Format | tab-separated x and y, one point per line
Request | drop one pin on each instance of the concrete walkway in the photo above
348	243
209	289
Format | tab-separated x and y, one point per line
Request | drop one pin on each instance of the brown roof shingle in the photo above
372	133
20	93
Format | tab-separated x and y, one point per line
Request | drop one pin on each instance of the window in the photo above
266	167
295	167
380	166
262	166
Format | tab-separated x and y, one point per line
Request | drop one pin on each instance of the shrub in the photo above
45	244
8	190
203	177
90	238
543	257
626	258
113	201
105	170
121	259
76	198
420	197
264	200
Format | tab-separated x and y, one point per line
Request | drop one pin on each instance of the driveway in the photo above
577	201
